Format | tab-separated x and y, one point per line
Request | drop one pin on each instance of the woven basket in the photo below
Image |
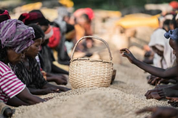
85	72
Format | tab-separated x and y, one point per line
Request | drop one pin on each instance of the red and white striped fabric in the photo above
10	85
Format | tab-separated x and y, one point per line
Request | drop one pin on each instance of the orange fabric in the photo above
80	32
88	30
54	40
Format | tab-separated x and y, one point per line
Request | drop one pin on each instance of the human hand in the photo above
160	112
153	80
51	90
164	81
173	101
60	80
126	53
49	98
157	94
63	89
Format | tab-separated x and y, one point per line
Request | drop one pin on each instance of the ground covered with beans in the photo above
121	99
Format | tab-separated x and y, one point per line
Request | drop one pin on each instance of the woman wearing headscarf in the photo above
83	18
5	111
46	57
28	70
15	38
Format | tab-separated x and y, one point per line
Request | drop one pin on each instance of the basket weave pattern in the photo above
85	73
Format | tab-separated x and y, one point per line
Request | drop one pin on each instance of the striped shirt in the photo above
10	85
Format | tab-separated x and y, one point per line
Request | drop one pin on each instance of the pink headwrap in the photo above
6	13
87	11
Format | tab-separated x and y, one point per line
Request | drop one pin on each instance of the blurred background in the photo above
122	23
100	4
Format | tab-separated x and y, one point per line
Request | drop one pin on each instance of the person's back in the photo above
46	57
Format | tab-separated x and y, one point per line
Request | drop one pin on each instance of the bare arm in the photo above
16	102
28	98
38	91
168	73
60	88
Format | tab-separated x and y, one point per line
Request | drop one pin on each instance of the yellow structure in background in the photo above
49	14
106	13
31	6
135	20
67	3
113	13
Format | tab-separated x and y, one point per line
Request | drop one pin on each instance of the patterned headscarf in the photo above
16	35
34	16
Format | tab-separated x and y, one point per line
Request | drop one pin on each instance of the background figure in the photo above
163	57
64	27
28	70
15	39
83	26
46	55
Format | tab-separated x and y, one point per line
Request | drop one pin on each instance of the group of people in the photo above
163	55
27	48
28	45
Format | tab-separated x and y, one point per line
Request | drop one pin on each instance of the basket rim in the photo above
91	60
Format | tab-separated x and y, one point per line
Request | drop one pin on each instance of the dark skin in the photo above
14	57
173	101
155	94
157	51
48	88
58	79
152	80
159	112
159	72
24	97
157	80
